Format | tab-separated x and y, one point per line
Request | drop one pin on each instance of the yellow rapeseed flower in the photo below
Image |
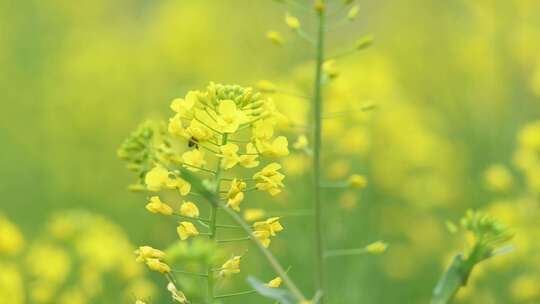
275	37
11	239
249	160
231	266
146	252
357	181
235	195
292	22
189	209
274	283
193	160
156	178
229	116
157	265
186	230
229	155
184	106
376	247
301	142
253	214
157	206
263	236
269	179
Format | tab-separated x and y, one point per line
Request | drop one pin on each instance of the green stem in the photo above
233	240
213	225
344	252
234	294
317	119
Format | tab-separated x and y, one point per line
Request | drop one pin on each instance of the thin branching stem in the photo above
317	139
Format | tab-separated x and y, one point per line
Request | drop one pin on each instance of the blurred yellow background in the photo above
457	88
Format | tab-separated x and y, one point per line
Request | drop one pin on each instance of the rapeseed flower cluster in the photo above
227	136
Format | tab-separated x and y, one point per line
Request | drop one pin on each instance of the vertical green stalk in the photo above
213	224
317	140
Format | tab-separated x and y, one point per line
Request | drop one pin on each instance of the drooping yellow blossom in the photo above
292	22
274	37
157	265
263	236
357	181
235	195
11	239
269	179
229	155
376	247
189	209
156	178
498	178
272	225
193	160
179	183
266	86
186	230
353	12
146	252
229	116
157	206
231	266
301	142
274	283
253	214
249	160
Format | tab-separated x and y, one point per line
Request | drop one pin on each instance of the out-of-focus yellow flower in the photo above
253	214
186	230
146	252
139	302
157	206
193	160
529	136
292	22
157	265
274	283
57	266
353	12
11	239
11	284
156	178
229	155
301	142
197	130
231	266
498	178
189	209
269	179
376	247
357	181
274	37
525	288
329	68
230	117
235	195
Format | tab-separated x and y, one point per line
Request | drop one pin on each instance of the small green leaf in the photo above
280	295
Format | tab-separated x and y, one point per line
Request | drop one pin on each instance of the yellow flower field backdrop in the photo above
440	115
